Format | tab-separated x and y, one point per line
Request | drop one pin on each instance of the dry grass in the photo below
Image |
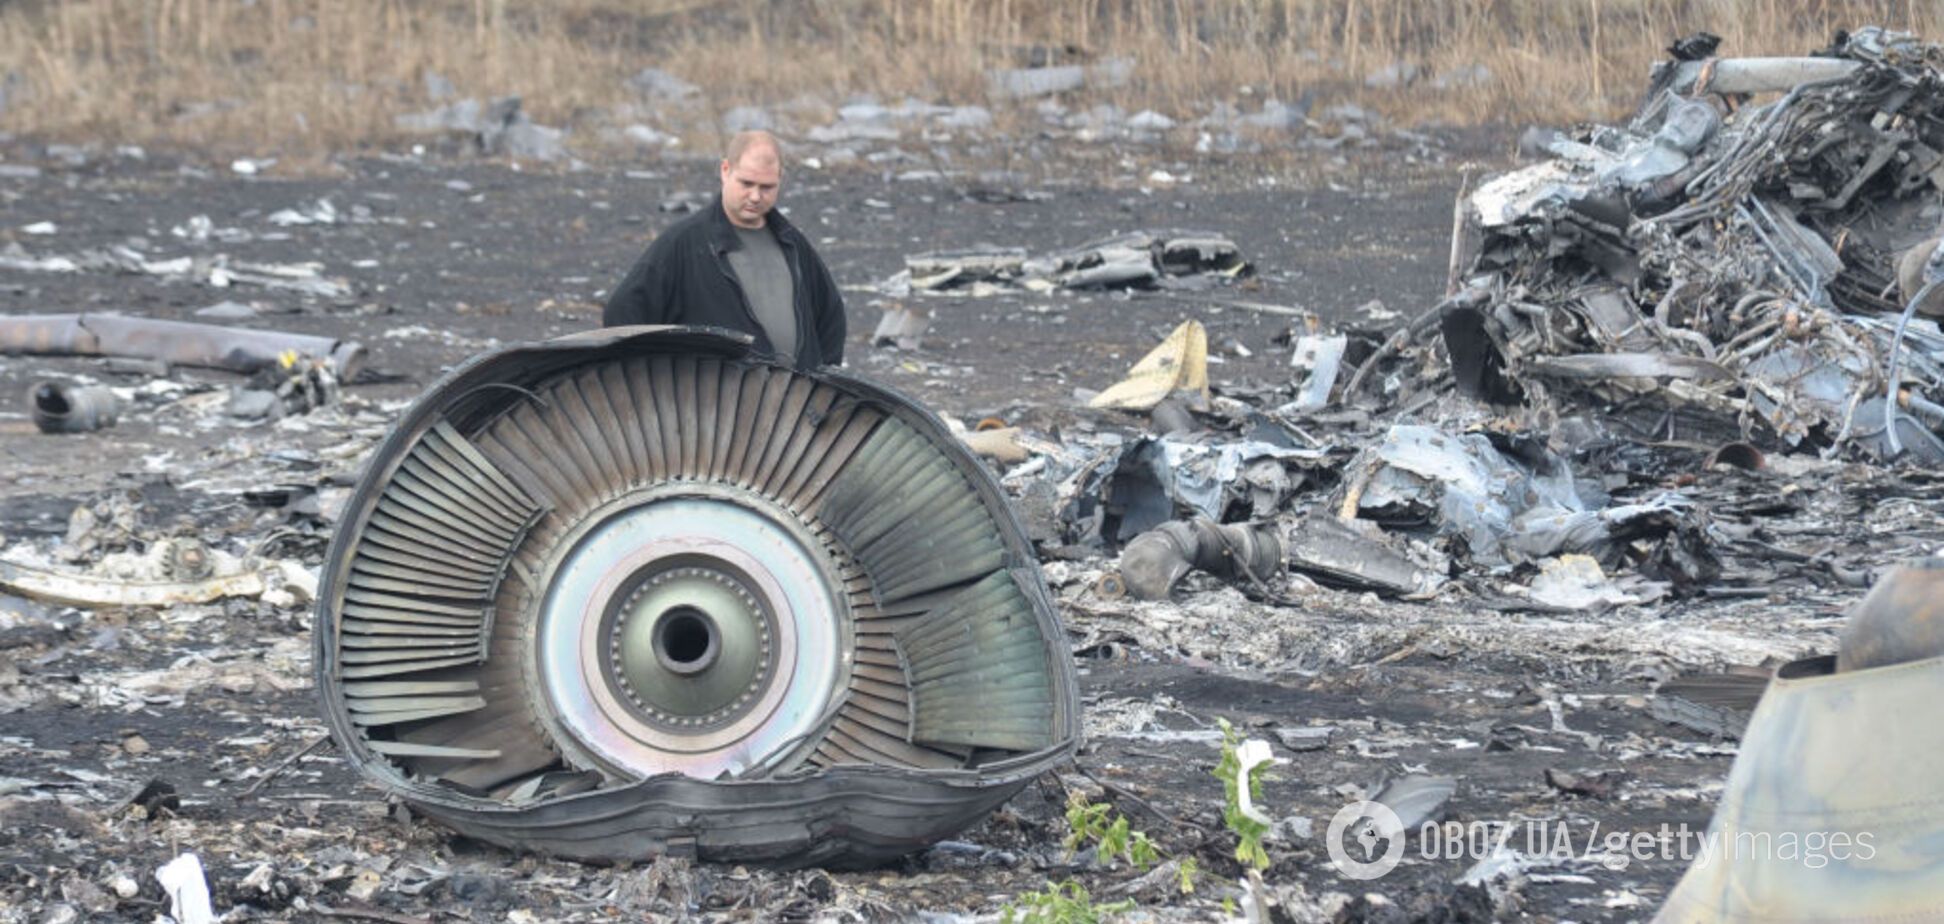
304	76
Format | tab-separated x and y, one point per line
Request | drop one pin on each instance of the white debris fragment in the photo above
197	228
650	138
1252	754
291	585
1576	582
260	878
1321	357
247	166
1028	82
660	86
190	675
14	258
182	880
321	212
228	310
39	227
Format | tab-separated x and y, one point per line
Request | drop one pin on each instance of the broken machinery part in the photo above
637	592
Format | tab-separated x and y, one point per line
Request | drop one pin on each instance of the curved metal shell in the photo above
636	591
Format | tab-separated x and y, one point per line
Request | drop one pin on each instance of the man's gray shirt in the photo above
765	278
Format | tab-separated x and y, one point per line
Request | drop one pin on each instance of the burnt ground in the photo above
128	737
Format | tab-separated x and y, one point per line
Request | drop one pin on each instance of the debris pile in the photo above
217	271
1724	268
1656	305
498	126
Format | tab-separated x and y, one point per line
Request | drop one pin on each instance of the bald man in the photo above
739	264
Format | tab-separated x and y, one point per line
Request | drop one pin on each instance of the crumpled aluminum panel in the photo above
954	687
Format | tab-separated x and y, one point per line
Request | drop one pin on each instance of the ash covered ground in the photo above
131	736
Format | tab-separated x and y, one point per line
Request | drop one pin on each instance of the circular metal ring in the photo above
690	647
719	568
686	640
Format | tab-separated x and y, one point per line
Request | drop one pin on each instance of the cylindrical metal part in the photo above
1759	75
175	342
63	408
1156	560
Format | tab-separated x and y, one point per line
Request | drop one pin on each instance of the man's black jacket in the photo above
685	278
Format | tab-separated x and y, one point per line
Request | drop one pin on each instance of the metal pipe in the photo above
1156	560
1890	375
180	343
1757	75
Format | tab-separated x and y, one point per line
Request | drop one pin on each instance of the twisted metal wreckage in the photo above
1719	269
1749	262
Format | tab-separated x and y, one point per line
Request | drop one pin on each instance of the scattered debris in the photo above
1000	444
496	127
1717	704
321	212
1320	358
1599	785
1142	259
1356	555
1575	582
902	325
1415	799
216	271
660	86
93	591
1028	82
1155	561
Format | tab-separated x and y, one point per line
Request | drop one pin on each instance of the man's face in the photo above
749	187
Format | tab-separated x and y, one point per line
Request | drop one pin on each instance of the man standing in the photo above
739	264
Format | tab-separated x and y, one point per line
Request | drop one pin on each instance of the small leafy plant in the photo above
1098	824
1065	902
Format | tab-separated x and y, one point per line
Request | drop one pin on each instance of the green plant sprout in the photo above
1065	902
1098	824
